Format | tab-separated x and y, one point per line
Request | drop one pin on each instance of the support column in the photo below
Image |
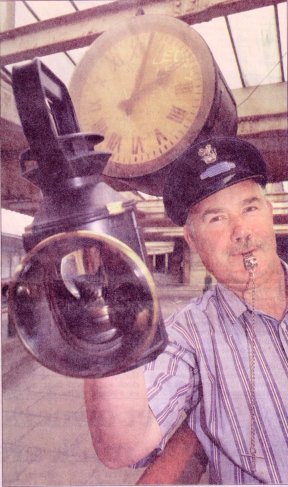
7	16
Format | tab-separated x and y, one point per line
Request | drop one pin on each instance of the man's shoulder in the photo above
197	306
194	320
204	300
209	305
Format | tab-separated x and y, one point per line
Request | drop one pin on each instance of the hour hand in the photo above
160	80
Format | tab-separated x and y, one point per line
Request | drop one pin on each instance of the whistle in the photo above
250	262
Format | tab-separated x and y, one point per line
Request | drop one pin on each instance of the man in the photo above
225	365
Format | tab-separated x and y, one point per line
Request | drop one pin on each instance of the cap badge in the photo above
208	154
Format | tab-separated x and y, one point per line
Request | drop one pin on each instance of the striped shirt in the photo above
204	373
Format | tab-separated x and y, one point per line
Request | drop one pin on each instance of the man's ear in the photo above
270	206
189	238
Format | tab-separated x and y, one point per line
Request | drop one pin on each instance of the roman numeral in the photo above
137	145
162	53
160	137
182	88
114	142
177	114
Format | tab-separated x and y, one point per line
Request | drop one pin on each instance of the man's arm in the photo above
182	462
122	426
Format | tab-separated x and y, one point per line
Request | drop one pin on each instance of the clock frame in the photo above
151	87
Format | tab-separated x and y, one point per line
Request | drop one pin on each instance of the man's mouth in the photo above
249	252
243	253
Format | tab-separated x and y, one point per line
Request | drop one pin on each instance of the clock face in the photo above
141	85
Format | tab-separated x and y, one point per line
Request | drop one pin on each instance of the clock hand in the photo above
142	68
127	105
161	80
162	77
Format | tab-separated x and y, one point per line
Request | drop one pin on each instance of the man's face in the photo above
229	224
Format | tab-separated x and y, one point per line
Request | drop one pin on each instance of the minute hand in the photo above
142	68
161	79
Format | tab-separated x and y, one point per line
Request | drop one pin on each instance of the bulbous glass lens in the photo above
84	304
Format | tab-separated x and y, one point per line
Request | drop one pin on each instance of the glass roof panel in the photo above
255	37
83	4
60	65
77	54
22	15
254	34
215	33
47	10
282	15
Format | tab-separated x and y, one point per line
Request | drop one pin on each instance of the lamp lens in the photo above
85	301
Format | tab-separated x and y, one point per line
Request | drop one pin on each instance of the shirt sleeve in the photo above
173	385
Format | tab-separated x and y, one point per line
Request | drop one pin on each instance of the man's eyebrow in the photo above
218	209
253	199
212	211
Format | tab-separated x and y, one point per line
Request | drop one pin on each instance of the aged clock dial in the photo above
147	85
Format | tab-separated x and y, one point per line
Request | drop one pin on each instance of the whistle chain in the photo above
250	263
251	351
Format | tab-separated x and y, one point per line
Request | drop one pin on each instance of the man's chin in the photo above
236	278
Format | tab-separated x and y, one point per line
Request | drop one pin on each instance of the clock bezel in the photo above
135	26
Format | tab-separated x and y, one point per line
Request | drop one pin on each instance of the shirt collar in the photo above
237	305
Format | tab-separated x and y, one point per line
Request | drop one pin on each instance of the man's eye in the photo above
217	218
250	208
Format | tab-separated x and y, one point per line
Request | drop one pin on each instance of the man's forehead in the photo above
207	167
243	192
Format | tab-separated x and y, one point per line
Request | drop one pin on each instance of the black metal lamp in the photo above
83	300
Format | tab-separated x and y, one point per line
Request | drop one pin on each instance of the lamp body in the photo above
83	300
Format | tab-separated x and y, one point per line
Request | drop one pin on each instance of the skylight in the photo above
249	47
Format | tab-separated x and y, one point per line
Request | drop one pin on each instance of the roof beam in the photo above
79	29
279	42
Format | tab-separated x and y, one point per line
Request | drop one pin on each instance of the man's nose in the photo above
240	232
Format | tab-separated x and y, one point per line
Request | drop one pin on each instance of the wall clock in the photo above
150	85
